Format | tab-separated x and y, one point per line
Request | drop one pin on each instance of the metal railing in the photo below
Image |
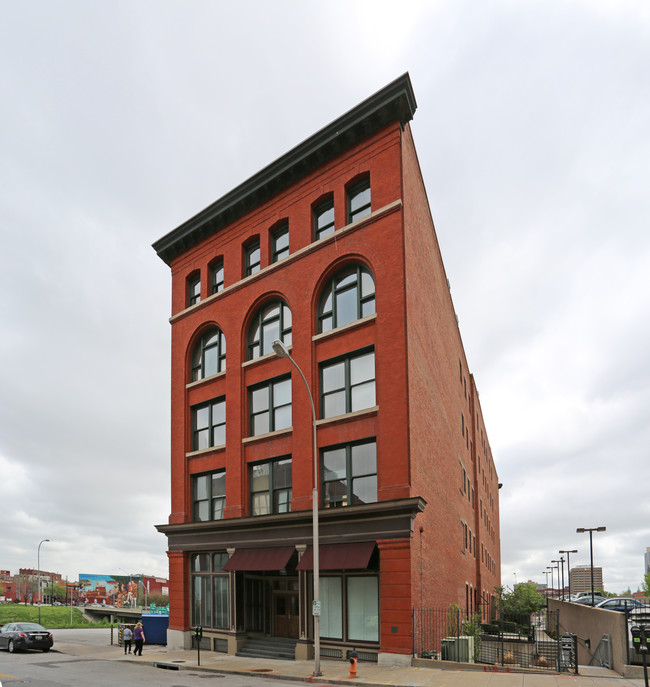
526	641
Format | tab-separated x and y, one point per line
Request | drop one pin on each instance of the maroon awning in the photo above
275	558
350	556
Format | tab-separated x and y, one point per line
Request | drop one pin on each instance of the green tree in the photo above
522	600
472	628
54	592
645	586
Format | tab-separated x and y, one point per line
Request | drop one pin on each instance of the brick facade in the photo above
434	517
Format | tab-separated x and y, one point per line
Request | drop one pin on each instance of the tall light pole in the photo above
551	568
558	577
282	352
545	572
38	572
568	566
591	530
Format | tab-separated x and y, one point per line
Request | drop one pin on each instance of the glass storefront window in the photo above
221	602
363	608
331	597
210	600
201	598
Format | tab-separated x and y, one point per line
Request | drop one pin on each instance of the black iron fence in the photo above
526	641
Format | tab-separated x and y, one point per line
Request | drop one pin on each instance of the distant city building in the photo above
646	567
581	579
121	590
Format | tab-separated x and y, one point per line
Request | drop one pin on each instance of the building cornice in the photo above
353	523
394	102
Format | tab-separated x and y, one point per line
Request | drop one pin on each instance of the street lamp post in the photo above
551	568
282	352
562	564
38	573
557	567
591	530
568	566
545	572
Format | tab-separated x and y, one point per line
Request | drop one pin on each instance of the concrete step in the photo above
280	648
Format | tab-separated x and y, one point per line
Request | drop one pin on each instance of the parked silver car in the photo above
624	604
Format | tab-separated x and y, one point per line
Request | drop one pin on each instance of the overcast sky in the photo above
119	120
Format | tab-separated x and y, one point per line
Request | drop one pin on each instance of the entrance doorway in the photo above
285	614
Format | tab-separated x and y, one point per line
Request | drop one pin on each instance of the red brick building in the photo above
331	249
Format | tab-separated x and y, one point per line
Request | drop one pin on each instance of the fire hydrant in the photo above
353	663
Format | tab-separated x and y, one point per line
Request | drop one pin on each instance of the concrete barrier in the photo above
592	623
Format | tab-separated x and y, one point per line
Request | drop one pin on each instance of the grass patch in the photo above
52	617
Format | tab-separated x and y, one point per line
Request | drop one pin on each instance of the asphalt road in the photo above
73	662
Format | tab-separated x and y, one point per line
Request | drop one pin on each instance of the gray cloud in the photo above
121	120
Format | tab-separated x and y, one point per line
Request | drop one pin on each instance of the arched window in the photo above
271	322
209	356
348	296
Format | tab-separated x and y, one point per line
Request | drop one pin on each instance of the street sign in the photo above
315	610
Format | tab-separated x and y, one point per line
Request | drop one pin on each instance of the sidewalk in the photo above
370	674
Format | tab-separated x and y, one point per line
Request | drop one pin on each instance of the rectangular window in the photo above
358	200
252	258
216	277
201	601
209	496
331	598
349	474
269	406
324	219
270	486
221	601
280	242
210	590
209	424
363	608
348	384
194	289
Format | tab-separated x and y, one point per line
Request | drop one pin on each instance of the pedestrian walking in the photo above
138	635
127	637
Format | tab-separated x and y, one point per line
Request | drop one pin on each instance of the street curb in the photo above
167	665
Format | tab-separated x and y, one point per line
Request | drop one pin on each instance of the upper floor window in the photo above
270	486
209	356
216	277
209	424
269	406
348	384
323	214
349	474
271	322
208	496
193	289
348	296
280	242
358	198
252	258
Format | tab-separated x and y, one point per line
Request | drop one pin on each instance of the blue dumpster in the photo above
155	627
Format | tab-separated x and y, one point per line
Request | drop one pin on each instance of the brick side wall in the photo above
441	406
179	611
395	596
